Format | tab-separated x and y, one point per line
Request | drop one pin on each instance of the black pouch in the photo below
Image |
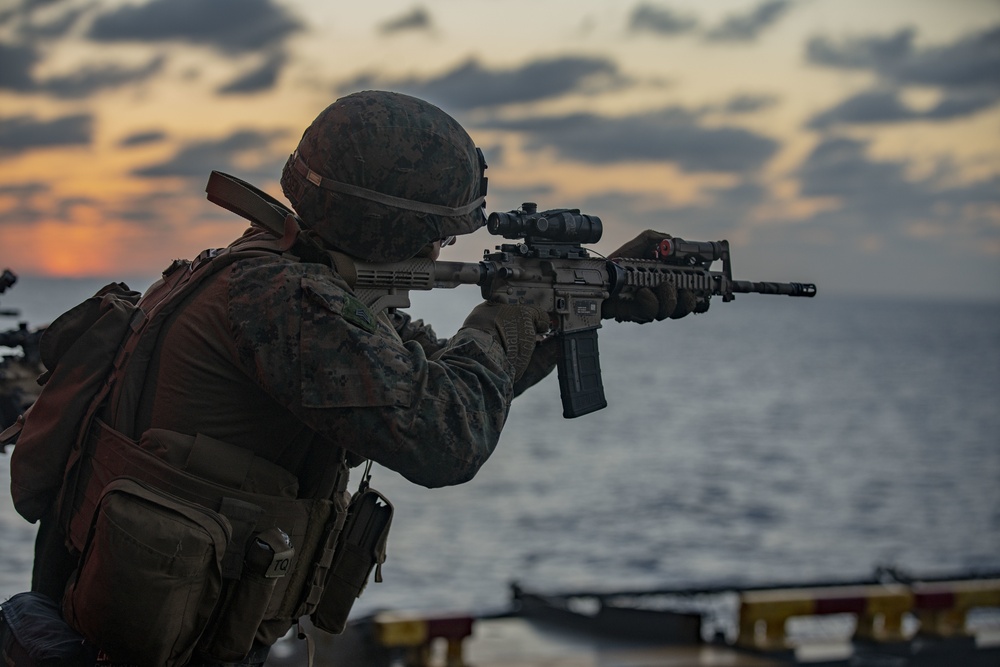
268	558
150	575
360	549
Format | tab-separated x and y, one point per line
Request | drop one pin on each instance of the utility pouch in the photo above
268	558
361	547
150	575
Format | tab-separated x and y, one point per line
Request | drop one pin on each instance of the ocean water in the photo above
769	440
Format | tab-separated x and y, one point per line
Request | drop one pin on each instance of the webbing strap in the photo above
381	198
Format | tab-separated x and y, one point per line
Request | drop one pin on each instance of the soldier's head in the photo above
381	175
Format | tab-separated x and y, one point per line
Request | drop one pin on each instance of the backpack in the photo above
86	351
84	347
78	350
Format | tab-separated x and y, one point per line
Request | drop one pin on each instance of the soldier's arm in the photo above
543	361
418	332
346	375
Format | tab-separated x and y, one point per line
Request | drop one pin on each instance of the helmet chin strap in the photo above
371	195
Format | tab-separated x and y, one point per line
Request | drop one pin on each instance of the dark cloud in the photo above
874	199
93	78
198	159
962	103
33	202
839	167
972	61
966	71
20	203
746	27
230	26
22	133
669	135
16	65
472	86
660	21
886	106
416	19
906	219
142	138
877	194
748	103
257	80
28	189
874	53
64	207
877	106
24	211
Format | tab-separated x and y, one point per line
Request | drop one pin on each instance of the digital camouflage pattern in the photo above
396	145
316	371
543	359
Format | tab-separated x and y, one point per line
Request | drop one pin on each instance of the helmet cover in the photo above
379	175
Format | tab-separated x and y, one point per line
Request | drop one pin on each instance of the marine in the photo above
202	506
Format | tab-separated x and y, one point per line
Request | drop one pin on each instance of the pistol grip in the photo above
579	367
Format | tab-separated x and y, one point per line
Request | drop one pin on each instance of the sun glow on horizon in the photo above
798	121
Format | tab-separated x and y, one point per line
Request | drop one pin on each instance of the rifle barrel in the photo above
791	289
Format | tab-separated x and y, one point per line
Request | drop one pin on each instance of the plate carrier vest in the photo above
246	564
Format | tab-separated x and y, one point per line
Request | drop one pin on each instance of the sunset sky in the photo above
853	143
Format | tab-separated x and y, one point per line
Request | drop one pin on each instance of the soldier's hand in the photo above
516	327
649	303
643	246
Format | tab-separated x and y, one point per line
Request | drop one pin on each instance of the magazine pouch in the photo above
150	575
361	547
268	557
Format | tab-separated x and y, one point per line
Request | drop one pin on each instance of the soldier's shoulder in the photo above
277	277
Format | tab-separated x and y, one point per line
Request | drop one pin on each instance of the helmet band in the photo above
371	195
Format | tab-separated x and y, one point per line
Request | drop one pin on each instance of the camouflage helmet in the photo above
380	175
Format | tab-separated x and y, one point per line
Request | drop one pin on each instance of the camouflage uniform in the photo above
281	358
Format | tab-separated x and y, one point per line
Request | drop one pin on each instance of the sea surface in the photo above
771	439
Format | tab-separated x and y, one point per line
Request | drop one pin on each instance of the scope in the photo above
563	225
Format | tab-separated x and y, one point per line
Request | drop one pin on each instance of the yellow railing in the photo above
413	635
940	607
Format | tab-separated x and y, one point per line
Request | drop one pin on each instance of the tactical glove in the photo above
650	303
516	327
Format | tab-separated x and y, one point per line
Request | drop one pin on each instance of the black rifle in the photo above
546	267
